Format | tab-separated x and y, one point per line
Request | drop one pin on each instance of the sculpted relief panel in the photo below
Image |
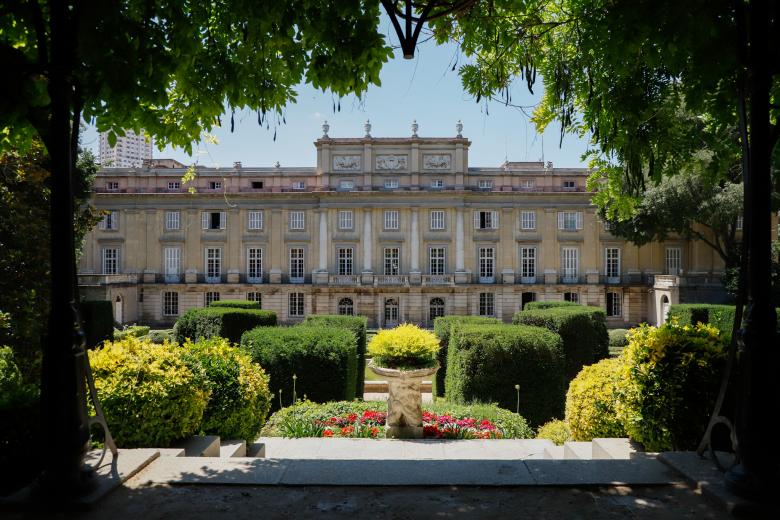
437	161
390	162
349	163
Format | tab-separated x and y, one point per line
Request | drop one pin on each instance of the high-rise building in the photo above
130	150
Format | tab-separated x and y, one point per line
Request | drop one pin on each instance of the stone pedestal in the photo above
592	276
415	278
233	276
320	277
462	277
275	276
508	276
404	401
191	276
367	278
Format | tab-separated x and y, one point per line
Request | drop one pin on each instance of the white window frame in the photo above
486	258
569	220
254	264
174	185
297	264
345	309
527	184
437	220
615	310
110	260
173	220
570	264
740	224
569	185
346	185
296	305
255	219
571	296
112	186
437	184
392	220
206	219
673	260
170	303
487	304
346	219
391	257
528	264
172	264
213	264
210	297
299	185
485	184
612	264
438	303
297	220
255	296
528	220
437	260
110	221
486	219
391	184
345	261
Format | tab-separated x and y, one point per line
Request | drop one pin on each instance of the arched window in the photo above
436	308
391	312
346	307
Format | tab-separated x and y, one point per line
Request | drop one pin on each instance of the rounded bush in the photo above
442	327
669	380
557	431
590	402
149	395
405	346
240	399
617	339
225	322
358	325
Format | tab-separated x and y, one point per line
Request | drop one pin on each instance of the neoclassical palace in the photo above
394	229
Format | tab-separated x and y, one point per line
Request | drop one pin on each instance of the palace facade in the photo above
394	229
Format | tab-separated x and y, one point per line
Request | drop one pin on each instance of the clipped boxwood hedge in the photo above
323	359
550	305
225	322
236	304
358	326
136	331
485	362
590	401
97	318
720	316
583	329
442	327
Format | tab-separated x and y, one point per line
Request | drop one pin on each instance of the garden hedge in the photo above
225	322
442	327
358	325
323	359
485	362
236	304
97	318
550	305
720	316
590	401
583	329
136	331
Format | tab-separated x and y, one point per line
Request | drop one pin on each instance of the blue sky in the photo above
425	89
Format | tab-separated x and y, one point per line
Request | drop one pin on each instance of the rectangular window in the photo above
485	184
346	219
172	220
527	220
528	264
255	297
296	265
112	186
299	185
213	264
296	221
487	263
391	220
346	185
255	219
614	304
174	185
345	259
673	260
437	219
487	303
254	265
392	261
213	220
257	185
170	303
391	184
527	184
172	264
110	221
740	222
570	264
111	260
215	185
437	184
571	297
486	219
296	305
569	185
569	220
612	263
210	297
437	260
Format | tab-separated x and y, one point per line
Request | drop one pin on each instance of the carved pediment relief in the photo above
391	162
437	161
346	163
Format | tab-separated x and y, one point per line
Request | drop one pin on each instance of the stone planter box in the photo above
404	400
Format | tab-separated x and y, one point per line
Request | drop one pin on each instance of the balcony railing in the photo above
391	279
438	279
570	278
106	279
344	279
487	279
525	279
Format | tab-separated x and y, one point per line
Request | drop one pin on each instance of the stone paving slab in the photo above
637	471
214	470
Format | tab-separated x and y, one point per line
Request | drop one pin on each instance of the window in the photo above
111	260
255	219
391	312
437	184
614	305
437	219
257	185
296	308
740	222
673	260
112	186
486	219
527	297
345	219
528	264
485	184
255	297
527	184
211	296
391	219
570	264
299	185
215	185
571	297
437	260
170	303
213	264
391	184
436	308
487	304
527	220
296	221
213	219
392	261
346	307
612	263
174	185
254	265
172	264
487	257
345	256
569	220
569	185
172	220
296	265
608	226
110	221
346	185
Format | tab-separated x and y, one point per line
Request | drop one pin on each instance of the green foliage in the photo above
135	331
583	329
323	361
556	430
161	336
236	304
442	327
358	326
485	362
240	399
590	401
148	393
617	341
229	323
10	377
98	321
668	383
549	305
404	347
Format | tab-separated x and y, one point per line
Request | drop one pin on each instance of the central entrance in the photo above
391	313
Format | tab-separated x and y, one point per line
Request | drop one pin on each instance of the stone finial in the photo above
367	127
325	128
415	127
459	128
277	165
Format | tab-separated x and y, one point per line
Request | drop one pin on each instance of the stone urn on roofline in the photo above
404	356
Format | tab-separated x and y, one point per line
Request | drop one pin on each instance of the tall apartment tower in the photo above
130	151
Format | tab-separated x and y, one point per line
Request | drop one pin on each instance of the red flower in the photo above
431	431
327	433
352	417
347	430
374	431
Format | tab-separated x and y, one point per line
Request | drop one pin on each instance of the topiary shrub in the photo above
358	326
236	304
590	402
668	384
485	362
442	327
97	319
149	395
161	336
556	430
617	341
225	322
135	331
720	316
406	347
583	329
550	305
240	399
323	359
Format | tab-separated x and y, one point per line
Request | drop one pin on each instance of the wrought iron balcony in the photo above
344	279
391	279
438	279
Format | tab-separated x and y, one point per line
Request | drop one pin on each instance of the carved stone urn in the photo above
404	400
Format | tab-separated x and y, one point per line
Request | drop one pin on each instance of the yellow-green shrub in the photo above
148	393
557	431
405	346
590	401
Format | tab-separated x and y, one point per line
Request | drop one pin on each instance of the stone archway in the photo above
664	309
118	310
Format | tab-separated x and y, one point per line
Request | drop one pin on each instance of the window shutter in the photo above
102	223
118	261
222	219
114	220
494	218
204	219
560	220
476	220
579	220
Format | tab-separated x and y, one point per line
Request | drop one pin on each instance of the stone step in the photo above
553	453
576	450
200	446
171	452
256	449
233	448
617	448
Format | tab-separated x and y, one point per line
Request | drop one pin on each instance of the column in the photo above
321	274
507	245
367	277
460	263
276	246
414	272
